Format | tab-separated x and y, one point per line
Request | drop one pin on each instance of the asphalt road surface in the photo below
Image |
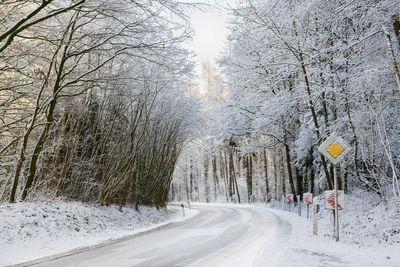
217	236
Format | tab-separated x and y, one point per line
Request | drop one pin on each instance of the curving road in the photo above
217	236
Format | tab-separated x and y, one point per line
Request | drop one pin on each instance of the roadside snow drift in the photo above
30	231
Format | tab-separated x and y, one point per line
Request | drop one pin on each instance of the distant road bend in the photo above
217	236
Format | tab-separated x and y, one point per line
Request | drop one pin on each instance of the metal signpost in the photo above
335	149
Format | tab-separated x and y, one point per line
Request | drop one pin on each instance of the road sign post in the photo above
268	199
315	213
336	207
307	198
299	205
289	198
183	209
335	149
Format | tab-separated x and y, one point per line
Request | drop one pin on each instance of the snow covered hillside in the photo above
30	231
302	248
365	220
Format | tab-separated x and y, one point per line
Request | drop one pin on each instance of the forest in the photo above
93	99
293	73
195	132
99	101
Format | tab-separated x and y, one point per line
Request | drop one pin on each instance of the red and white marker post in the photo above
289	198
316	210
307	198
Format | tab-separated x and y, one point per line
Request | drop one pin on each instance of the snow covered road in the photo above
217	236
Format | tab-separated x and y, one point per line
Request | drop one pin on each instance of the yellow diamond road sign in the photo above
334	148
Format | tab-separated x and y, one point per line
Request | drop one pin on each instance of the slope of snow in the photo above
364	221
369	234
30	231
301	248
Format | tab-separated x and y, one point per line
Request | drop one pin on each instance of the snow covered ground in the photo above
30	231
304	249
364	221
369	233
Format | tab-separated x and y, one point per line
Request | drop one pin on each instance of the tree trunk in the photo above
249	168
299	179
289	169
215	175
276	181
186	183
206	191
266	174
38	149
50	112
282	175
396	27
28	131
345	188
232	174
311	107
223	173
18	168
389	47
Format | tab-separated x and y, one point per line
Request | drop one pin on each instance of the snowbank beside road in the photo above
304	249
30	231
365	220
369	233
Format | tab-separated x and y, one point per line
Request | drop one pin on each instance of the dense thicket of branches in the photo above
297	71
93	102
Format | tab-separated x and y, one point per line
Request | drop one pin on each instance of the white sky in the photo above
210	33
